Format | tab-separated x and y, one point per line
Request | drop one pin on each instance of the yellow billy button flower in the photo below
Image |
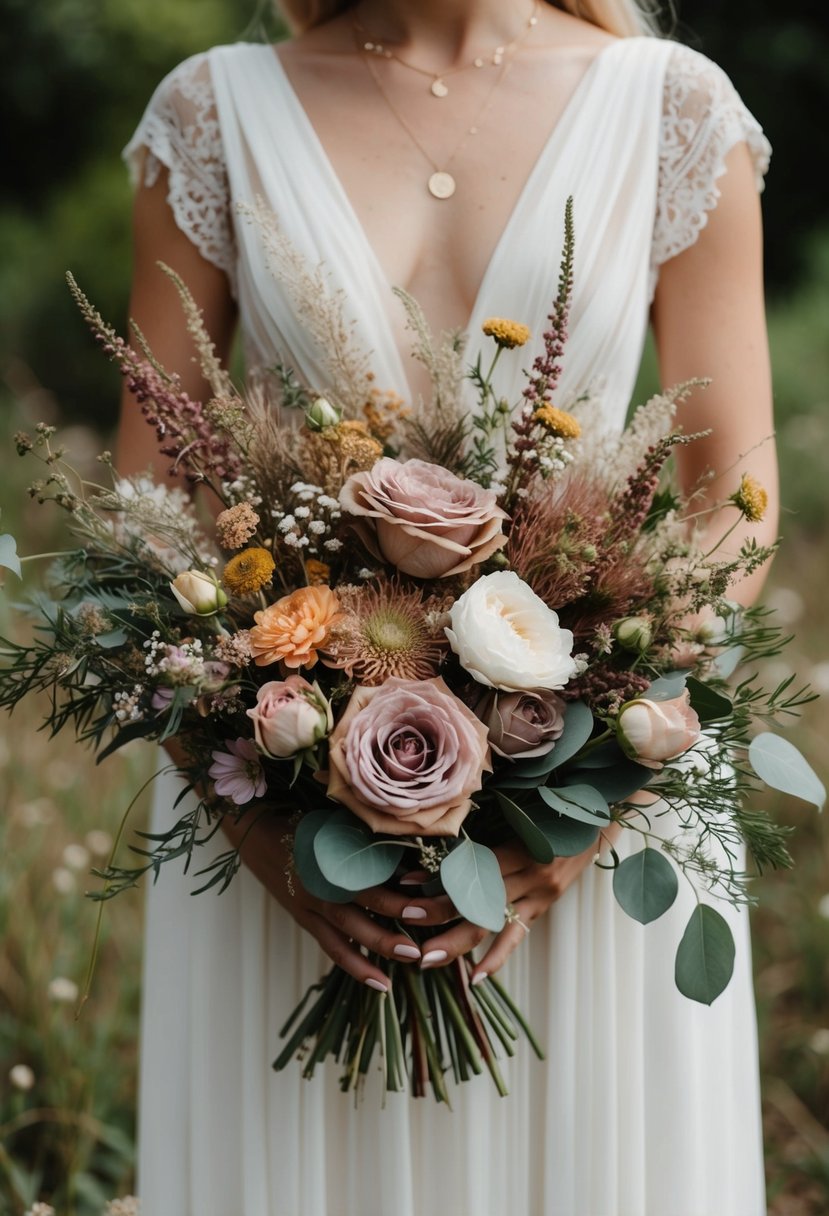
558	422
317	572
751	499
505	332
248	572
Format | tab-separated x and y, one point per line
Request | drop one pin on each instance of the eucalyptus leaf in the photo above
307	867
8	555
645	885
706	702
727	662
778	762
705	958
581	802
115	637
351	856
567	837
524	826
472	879
602	756
616	783
666	687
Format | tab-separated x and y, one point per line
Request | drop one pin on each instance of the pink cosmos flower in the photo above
237	773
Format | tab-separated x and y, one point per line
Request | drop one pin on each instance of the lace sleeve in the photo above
180	131
703	118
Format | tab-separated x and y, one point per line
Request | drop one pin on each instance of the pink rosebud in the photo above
651	732
406	757
423	519
290	716
522	724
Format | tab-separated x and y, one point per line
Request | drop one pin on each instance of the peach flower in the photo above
406	757
292	630
652	732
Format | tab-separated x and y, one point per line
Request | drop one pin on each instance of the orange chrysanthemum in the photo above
292	630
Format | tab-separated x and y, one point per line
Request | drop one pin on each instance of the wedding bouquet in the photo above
415	635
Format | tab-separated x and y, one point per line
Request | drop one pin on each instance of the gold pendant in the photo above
441	184
438	88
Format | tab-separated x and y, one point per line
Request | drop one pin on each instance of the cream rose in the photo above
652	732
505	636
423	519
406	756
289	716
198	593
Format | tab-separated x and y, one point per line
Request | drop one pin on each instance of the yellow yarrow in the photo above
505	332
248	572
316	572
751	499
558	422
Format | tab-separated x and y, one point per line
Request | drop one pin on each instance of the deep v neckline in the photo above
542	164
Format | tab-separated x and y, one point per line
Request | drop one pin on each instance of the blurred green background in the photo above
74	78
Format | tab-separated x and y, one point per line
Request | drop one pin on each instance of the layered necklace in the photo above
441	184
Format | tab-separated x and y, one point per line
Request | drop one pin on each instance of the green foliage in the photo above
645	885
472	879
705	958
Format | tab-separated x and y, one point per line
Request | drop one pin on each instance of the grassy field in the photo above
67	1116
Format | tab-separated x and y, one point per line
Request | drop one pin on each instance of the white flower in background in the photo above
505	636
22	1077
128	1206
819	1042
823	906
63	990
36	814
98	842
76	857
64	881
40	1209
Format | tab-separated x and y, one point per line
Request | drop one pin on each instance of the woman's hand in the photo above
532	887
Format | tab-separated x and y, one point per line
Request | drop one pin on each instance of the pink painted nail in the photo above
410	882
478	977
433	956
371	982
413	913
407	951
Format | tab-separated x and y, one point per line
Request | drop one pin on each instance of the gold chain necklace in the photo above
438	87
441	184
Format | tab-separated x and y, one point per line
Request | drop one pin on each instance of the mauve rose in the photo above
423	519
289	716
652	732
522	724
406	756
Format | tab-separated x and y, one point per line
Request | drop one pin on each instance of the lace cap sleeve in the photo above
703	118
180	131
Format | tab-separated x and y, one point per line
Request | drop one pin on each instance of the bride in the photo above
432	145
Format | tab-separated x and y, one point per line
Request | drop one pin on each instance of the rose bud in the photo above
198	593
651	732
322	414
522	724
634	633
289	717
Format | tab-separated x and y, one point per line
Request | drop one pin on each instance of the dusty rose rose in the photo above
289	716
652	732
522	724
406	756
423	519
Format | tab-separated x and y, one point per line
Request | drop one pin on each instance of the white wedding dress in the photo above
647	1104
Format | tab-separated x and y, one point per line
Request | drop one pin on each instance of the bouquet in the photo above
414	636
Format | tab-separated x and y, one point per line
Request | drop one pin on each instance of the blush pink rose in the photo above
289	716
406	756
652	732
423	519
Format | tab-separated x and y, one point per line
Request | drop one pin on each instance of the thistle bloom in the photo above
293	629
751	498
237	773
505	332
248	572
386	631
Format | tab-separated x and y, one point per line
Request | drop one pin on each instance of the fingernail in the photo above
478	977
413	913
407	951
433	956
405	881
376	985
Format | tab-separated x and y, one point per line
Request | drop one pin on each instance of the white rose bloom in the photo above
506	637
